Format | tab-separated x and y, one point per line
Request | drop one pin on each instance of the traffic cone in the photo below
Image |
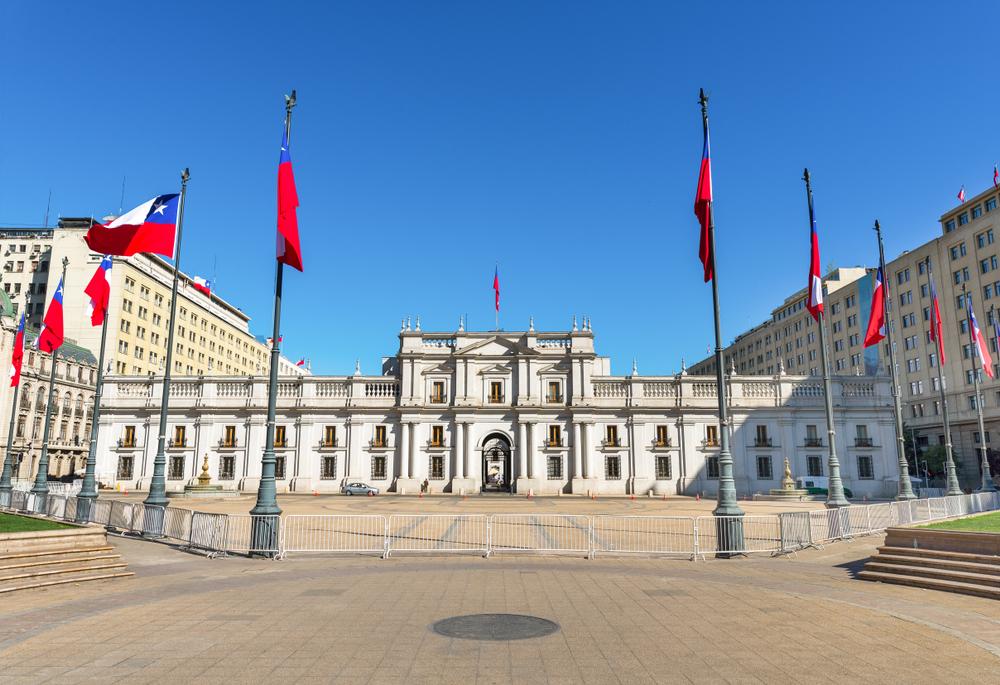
697	497
315	494
632	497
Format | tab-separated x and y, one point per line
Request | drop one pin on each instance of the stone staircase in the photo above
908	557
58	558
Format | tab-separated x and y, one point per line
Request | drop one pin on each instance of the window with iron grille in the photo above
176	468
437	467
227	468
866	470
378	468
554	468
279	468
125	466
329	471
814	466
663	470
764	467
712	467
613	468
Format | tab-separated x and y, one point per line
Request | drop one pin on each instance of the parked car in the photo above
358	489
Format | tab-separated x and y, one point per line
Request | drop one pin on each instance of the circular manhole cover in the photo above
495	627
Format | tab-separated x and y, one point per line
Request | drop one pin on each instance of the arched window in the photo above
26	397
79	404
41	399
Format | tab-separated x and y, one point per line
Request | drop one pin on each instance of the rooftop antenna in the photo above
121	202
48	205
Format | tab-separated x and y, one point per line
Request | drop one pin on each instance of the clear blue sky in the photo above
561	140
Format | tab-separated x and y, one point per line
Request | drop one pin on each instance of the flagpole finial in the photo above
290	101
185	176
531	324
806	177
461	323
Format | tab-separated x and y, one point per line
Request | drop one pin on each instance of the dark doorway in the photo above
496	464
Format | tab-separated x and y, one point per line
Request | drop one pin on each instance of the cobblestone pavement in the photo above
802	619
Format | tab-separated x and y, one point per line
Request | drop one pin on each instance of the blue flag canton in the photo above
164	209
286	155
58	297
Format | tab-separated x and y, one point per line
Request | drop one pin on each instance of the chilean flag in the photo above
978	341
301	362
202	285
703	210
496	288
17	356
996	176
961	194
936	327
150	227
876	320
814	303
99	290
51	335
289	251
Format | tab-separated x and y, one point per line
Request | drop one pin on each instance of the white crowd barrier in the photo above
486	534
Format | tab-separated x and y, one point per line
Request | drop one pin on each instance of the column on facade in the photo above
348	445
459	450
196	467
522	450
577	452
470	462
531	449
404	451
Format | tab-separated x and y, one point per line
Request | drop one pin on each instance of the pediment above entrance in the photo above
559	367
494	370
491	347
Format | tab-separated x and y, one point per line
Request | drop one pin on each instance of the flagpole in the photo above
265	530
729	537
8	462
986	483
41	487
89	490
905	490
158	485
952	478
835	491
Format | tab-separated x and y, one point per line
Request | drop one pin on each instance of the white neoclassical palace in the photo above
464	412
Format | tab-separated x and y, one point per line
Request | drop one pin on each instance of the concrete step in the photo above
937	554
57	561
56	552
63	581
932	584
81	569
940	573
933	562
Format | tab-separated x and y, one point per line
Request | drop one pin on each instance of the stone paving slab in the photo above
803	619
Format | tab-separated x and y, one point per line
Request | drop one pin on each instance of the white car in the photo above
358	489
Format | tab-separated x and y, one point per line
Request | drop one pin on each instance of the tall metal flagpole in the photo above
8	461
88	493
729	530
41	487
949	461
905	490
986	483
265	529
835	490
158	485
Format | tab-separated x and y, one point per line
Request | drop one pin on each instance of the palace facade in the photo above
464	412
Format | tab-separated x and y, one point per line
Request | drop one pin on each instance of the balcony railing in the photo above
763	442
228	444
561	442
496	399
611	442
863	442
553	399
175	443
661	443
380	444
710	442
437	444
814	442
437	399
281	443
329	443
126	443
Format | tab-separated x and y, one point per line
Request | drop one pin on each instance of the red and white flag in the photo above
99	291
961	194
17	355
978	341
202	285
496	288
814	298
301	362
703	209
996	176
937	330
876	319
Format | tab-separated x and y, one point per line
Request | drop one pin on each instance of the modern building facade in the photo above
466	411
966	254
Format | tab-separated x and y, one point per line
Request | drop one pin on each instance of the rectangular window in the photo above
613	468
712	467
437	436
761	439
180	437
553	468
380	437
812	437
436	469
329	471
662	436
280	436
611	437
125	465
963	218
814	466
555	393
991	204
712	436
176	471
496	392
227	467
437	392
949	226
279	468
329	436
663	468
378	467
128	437
229	436
866	470
555	436
764	467
977	211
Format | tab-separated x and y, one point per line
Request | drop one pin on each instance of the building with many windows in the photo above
526	411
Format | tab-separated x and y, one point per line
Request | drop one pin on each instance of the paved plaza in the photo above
801	618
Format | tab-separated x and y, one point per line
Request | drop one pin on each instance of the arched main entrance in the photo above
496	464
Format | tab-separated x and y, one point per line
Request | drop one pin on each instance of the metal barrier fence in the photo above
485	534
